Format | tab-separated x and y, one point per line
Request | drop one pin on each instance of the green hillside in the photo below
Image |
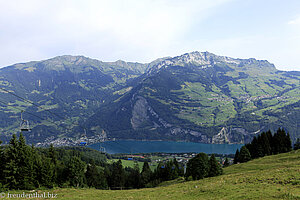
197	96
64	90
206	98
270	177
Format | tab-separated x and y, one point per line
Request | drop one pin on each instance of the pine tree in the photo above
162	172
108	175
288	143
226	162
2	161
265	144
37	166
271	142
52	154
215	168
47	173
236	157
94	177
297	144
282	142
198	167
260	147
75	171
254	148
118	175
133	179
174	169
11	169
24	165
244	155
137	175
53	158
146	174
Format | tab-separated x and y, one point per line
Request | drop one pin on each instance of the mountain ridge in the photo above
198	96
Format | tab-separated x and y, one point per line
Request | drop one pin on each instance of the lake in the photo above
129	146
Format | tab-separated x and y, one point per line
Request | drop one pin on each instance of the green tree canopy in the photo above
198	167
244	155
215	168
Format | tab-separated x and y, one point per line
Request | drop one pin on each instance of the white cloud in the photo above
108	30
136	30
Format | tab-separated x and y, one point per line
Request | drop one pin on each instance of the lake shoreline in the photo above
135	146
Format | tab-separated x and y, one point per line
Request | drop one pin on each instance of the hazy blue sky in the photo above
143	30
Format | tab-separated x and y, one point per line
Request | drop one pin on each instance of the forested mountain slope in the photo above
203	97
197	96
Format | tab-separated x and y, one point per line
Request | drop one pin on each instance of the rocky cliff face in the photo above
197	96
203	97
229	135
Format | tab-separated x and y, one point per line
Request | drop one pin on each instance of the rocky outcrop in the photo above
229	135
144	115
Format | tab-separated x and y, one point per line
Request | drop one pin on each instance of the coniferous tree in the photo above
288	143
250	148
175	172
236	157
282	142
24	165
179	167
94	177
11	169
271	142
279	141
75	171
47	173
146	174
53	158
259	147
198	167
244	155
117	175
297	144
37	166
215	168
137	176
91	175
133	177
108	175
52	154
1	167
103	182
253	149
265	144
161	173
226	162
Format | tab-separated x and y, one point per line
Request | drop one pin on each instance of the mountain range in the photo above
198	96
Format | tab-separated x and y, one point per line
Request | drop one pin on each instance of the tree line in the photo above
263	145
201	167
26	167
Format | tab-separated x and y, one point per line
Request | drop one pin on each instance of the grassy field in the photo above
271	177
130	163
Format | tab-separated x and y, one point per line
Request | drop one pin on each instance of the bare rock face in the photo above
222	136
144	115
229	135
139	113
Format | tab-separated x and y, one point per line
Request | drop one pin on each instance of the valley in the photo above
194	97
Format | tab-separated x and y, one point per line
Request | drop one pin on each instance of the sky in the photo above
144	30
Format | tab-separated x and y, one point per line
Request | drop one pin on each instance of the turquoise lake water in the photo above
125	146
